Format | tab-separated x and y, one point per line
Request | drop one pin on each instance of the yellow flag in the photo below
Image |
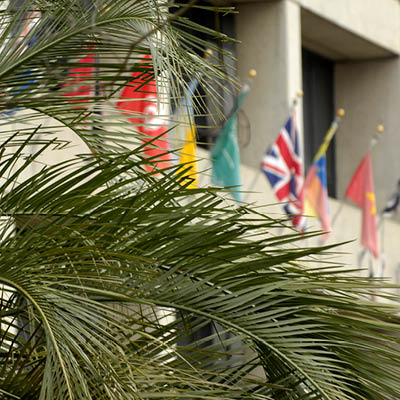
188	156
183	138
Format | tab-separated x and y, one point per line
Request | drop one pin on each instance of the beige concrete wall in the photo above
66	144
377	21
370	93
271	43
346	226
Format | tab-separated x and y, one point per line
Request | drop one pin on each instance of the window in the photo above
318	111
208	121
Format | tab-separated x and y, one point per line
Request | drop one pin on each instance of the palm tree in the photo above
109	274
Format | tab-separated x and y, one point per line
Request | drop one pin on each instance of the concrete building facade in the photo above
361	40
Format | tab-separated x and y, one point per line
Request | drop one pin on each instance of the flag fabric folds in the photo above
225	154
316	194
361	192
25	40
77	84
315	186
282	165
26	30
140	98
184	136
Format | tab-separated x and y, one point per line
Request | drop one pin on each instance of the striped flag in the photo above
184	137
315	186
316	194
24	40
283	167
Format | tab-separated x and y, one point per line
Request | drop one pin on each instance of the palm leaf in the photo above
120	285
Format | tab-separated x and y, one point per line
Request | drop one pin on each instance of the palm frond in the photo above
116	284
87	241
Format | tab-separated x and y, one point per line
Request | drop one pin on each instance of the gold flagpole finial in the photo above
207	54
252	73
341	112
379	131
299	95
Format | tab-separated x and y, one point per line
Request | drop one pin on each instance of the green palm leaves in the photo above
116	284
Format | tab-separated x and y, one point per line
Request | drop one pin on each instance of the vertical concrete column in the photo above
270	41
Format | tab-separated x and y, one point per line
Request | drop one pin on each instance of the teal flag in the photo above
225	154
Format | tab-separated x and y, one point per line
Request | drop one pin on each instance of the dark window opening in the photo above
318	111
208	120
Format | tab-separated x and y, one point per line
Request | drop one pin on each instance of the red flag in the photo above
361	191
139	98
77	79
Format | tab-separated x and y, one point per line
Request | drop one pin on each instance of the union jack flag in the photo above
283	168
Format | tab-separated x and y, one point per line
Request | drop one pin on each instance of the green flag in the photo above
225	154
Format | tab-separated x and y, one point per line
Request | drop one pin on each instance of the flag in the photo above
283	167
27	32
78	82
22	32
225	154
393	203
316	194
315	186
140	99
361	192
184	135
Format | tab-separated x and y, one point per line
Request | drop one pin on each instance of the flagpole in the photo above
208	53
330	134
325	144
381	230
225	154
391	204
245	87
363	251
323	148
374	140
295	102
292	108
